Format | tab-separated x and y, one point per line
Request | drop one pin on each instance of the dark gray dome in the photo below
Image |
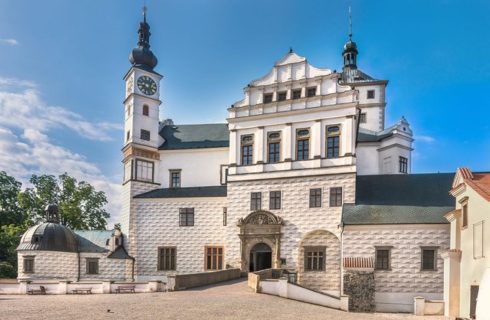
49	236
350	46
143	57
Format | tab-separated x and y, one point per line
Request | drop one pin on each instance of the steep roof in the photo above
194	136
400	199
478	181
188	192
93	240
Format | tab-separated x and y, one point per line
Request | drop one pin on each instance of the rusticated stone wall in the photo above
360	287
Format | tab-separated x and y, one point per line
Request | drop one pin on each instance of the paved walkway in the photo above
231	300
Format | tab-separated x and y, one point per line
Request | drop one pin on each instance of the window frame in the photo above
334	194
309	90
31	261
138	161
371	94
363	117
315	199
336	144
376	266
144	134
187	212
303	139
281	94
319	266
215	258
267	97
481	254
248	144
171	178
276	141
255	203
293	93
146	110
88	262
434	262
167	266
225	216
275	200
402	164
464	213
128	135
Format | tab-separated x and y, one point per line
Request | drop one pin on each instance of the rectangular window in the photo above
247	149
383	258
333	141
274	147
186	217
336	197
145	135
144	170
370	94
28	264
281	96
428	259
315	198
478	243
311	92
92	266
302	144
128	166
362	118
315	258
465	215
403	164
175	178
128	135
255	201
225	216
167	257
296	93
267	97
214	258
275	200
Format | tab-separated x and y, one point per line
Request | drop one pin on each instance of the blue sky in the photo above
61	86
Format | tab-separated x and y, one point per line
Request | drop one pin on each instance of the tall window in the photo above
214	258
247	149
175	178
281	96
302	144
186	217
145	135
274	146
403	164
275	200
128	135
146	110
383	257
28	262
428	259
167	257
144	170
311	92
296	94
225	216
255	201
336	197
333	141
370	94
315	258
464	208
315	198
267	97
92	266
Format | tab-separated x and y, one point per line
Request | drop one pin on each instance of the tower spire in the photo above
350	23
350	49
142	56
145	9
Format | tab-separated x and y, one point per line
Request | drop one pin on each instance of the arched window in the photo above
146	110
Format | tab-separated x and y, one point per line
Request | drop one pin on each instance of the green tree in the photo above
9	240
80	205
10	212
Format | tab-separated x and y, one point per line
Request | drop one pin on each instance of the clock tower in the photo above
141	126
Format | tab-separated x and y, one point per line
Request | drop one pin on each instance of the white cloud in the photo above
10	42
26	149
426	139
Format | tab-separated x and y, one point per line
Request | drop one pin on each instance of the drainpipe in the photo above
341	225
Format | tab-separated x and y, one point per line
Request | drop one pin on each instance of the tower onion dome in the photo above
49	236
142	56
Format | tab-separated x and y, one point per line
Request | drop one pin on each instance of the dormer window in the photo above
311	92
267	97
146	110
296	93
281	96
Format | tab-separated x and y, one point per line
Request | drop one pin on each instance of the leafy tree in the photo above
10	212
9	240
80	205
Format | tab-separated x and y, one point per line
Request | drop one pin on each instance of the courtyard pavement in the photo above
230	300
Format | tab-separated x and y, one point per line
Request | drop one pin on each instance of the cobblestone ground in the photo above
232	300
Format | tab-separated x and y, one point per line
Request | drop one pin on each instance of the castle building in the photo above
304	176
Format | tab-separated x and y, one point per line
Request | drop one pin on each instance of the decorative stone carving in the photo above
260	217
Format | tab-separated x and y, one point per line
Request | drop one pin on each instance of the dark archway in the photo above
260	257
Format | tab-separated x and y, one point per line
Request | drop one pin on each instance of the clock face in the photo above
147	85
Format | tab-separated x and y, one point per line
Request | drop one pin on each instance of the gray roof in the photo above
189	192
93	240
119	253
49	236
354	75
400	199
193	136
365	135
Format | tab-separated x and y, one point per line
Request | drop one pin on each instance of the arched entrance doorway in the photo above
260	257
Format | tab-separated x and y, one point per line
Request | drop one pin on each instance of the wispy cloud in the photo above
426	139
26	148
9	42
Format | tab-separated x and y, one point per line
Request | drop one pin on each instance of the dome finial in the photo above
350	23
145	9
52	213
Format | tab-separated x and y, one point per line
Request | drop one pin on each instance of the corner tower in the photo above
141	125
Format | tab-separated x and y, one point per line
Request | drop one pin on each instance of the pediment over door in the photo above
261	217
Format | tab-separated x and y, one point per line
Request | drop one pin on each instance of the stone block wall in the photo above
360	287
109	269
49	265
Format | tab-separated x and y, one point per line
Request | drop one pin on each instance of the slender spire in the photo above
350	23
142	55
145	9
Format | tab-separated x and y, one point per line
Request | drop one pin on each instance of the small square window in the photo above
315	198
315	258
92	266
175	178
383	257
28	264
214	258
336	197
275	200
362	118
370	94
311	92
255	201
296	94
186	217
281	96
267	97
428	259
167	257
145	135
